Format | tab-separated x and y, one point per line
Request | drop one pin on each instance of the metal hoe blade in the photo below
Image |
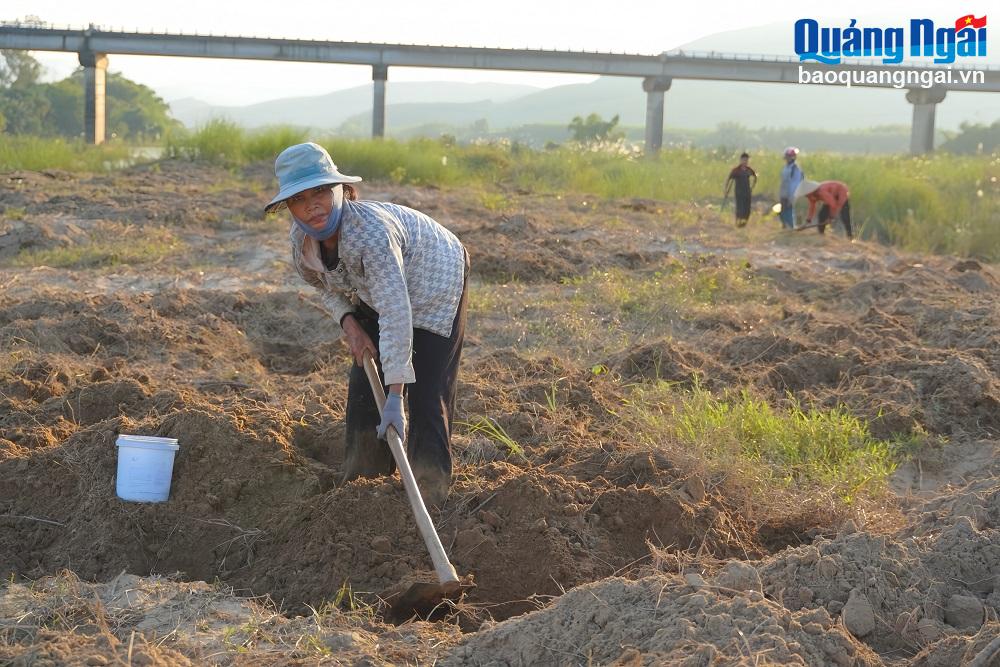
426	600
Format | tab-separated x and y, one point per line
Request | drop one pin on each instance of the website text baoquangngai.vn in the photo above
896	78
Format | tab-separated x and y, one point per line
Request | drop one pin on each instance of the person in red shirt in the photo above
834	197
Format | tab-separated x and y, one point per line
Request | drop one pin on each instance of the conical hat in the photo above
805	188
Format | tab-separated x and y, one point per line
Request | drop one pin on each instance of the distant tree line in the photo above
28	106
974	138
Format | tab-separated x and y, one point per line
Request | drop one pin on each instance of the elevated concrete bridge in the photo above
656	72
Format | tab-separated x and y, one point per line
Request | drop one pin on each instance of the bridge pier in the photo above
655	86
924	101
95	69
379	75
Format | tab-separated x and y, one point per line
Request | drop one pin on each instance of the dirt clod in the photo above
740	576
381	544
964	612
858	614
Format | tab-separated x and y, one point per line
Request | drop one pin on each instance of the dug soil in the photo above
587	547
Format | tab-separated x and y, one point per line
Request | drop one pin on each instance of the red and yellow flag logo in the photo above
970	21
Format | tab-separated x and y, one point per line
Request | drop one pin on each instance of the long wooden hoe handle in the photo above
442	566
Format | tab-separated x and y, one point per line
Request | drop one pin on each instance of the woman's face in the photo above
312	206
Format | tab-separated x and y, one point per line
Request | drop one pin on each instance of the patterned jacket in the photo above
406	266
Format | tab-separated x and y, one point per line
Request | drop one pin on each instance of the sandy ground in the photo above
587	548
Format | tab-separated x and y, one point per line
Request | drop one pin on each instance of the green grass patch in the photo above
225	143
684	285
150	245
494	432
592	316
940	203
38	154
793	447
15	213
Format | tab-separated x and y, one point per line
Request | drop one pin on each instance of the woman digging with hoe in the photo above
396	282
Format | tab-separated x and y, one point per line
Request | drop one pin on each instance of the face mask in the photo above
332	222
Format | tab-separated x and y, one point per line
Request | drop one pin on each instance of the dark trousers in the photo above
787	215
845	217
742	207
430	403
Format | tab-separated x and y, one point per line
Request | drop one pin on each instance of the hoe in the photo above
421	599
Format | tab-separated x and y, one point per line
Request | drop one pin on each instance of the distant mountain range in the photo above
332	109
689	104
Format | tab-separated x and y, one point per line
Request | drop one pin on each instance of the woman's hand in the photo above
358	340
394	415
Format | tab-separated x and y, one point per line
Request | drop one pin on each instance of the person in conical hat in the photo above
834	198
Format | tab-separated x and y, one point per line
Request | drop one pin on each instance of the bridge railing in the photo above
770	58
671	53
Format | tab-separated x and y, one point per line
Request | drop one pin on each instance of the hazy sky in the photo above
634	26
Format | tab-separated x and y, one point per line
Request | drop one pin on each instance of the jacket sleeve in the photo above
386	277
812	209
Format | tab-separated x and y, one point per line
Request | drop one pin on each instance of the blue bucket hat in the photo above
304	166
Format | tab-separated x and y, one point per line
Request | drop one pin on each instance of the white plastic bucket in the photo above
145	466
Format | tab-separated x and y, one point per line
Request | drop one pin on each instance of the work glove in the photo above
393	415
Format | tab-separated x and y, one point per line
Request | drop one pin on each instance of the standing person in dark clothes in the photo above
396	282
741	175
